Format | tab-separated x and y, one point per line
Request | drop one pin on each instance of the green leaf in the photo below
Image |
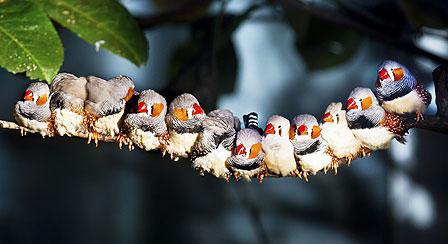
28	41
104	22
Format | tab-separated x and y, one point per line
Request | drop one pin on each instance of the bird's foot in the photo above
93	135
123	139
418	116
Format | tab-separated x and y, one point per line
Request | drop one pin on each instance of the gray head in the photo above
362	103
248	144
186	107
37	93
125	85
394	80
152	103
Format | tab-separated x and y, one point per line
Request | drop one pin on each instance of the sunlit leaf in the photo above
29	43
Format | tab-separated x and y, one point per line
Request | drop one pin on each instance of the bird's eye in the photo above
280	130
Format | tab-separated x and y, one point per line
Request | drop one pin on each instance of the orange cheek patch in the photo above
157	109
292	132
128	96
180	114
398	73
366	103
42	100
315	132
255	150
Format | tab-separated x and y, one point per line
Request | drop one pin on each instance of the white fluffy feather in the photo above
315	162
410	103
109	125
179	145
68	123
341	140
39	127
279	155
375	139
214	162
145	140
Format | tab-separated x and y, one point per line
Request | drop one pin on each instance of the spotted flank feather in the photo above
424	94
397	124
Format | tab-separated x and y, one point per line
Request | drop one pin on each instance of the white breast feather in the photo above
410	103
179	145
34	125
109	125
214	162
341	140
68	123
145	140
314	162
279	155
375	138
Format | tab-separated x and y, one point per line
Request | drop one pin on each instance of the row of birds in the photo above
215	142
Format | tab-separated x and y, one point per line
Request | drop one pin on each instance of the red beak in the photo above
197	109
142	107
28	96
240	150
351	104
383	74
269	129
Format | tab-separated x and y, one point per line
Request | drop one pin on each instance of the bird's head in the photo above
152	104
38	93
127	84
186	107
360	99
304	127
277	125
248	144
332	113
392	76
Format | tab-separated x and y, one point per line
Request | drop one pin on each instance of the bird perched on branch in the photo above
247	157
67	104
215	143
184	121
370	123
398	90
146	126
310	150
105	105
278	149
335	131
33	112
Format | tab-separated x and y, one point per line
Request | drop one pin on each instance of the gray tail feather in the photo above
251	120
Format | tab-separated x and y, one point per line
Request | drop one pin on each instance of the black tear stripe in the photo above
362	122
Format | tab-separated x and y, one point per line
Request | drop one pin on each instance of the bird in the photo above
33	112
247	157
339	137
146	126
279	151
399	91
184	122
105	105
371	124
67	104
215	143
310	150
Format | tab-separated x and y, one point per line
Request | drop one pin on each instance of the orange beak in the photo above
383	74
28	96
366	103
269	129
142	108
42	100
197	109
351	104
157	109
328	118
315	132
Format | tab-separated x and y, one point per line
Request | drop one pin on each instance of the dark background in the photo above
279	57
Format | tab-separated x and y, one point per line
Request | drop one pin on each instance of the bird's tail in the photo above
251	120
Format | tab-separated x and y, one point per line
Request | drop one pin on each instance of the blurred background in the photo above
282	57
